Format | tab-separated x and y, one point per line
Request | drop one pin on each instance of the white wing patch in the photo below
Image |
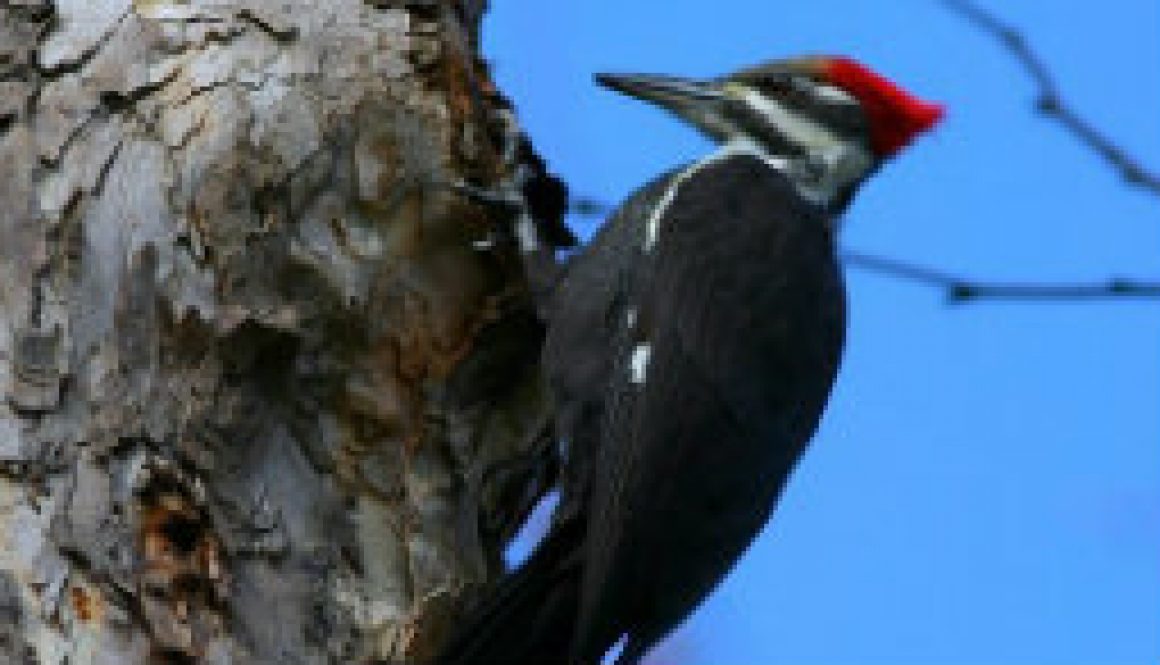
526	234
638	363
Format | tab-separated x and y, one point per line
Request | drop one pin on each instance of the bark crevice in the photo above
270	385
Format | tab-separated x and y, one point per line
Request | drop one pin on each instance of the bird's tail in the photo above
529	618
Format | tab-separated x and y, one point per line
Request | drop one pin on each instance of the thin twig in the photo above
589	207
960	290
1050	102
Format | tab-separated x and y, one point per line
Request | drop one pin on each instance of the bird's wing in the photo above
742	317
587	314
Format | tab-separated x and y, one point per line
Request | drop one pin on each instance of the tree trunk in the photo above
270	382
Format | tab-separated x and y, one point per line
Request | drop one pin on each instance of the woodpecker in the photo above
691	349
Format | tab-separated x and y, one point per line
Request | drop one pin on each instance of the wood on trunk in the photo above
269	378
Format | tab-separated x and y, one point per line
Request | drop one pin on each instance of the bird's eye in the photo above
777	83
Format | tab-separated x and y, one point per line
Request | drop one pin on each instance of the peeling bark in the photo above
269	377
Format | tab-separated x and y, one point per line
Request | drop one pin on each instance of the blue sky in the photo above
985	487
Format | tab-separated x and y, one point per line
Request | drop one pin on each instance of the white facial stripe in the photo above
797	128
832	94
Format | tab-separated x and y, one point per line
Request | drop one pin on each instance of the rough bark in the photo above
269	381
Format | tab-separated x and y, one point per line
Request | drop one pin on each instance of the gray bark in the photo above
267	398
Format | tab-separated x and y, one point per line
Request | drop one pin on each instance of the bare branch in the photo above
960	290
589	207
1051	104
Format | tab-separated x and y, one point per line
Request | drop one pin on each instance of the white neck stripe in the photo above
738	145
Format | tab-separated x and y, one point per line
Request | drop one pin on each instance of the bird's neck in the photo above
826	179
824	174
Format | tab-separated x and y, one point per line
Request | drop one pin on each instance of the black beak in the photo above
701	103
670	92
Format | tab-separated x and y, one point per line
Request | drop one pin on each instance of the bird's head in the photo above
834	117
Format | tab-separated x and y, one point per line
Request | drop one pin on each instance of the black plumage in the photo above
666	482
691	348
530	616
742	307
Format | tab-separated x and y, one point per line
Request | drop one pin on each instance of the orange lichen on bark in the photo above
86	604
